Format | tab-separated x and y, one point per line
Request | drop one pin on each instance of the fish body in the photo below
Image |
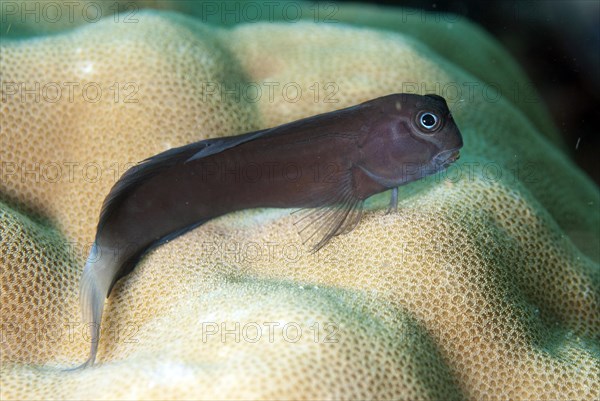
327	165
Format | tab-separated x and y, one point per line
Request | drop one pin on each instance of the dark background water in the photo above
557	43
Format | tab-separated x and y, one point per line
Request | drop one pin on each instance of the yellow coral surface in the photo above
483	285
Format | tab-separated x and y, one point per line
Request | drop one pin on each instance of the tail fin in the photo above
98	276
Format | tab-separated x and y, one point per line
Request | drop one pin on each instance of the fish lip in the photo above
447	157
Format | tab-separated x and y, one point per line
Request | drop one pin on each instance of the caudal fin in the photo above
98	275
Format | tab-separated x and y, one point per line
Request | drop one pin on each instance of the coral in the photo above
483	285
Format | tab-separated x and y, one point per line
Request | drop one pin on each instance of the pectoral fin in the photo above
339	213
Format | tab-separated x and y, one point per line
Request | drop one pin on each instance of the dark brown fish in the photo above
327	164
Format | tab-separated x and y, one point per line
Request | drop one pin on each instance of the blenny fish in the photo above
326	165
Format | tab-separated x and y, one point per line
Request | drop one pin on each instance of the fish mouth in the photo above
447	157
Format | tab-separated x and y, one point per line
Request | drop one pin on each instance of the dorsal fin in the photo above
217	145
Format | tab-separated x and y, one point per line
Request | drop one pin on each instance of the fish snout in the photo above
447	157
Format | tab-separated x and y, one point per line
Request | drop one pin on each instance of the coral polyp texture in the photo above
484	284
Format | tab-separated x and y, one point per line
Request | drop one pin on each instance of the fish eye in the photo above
428	121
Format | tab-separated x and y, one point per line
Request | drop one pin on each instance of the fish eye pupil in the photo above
428	120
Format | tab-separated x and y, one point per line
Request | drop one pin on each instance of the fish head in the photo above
413	136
